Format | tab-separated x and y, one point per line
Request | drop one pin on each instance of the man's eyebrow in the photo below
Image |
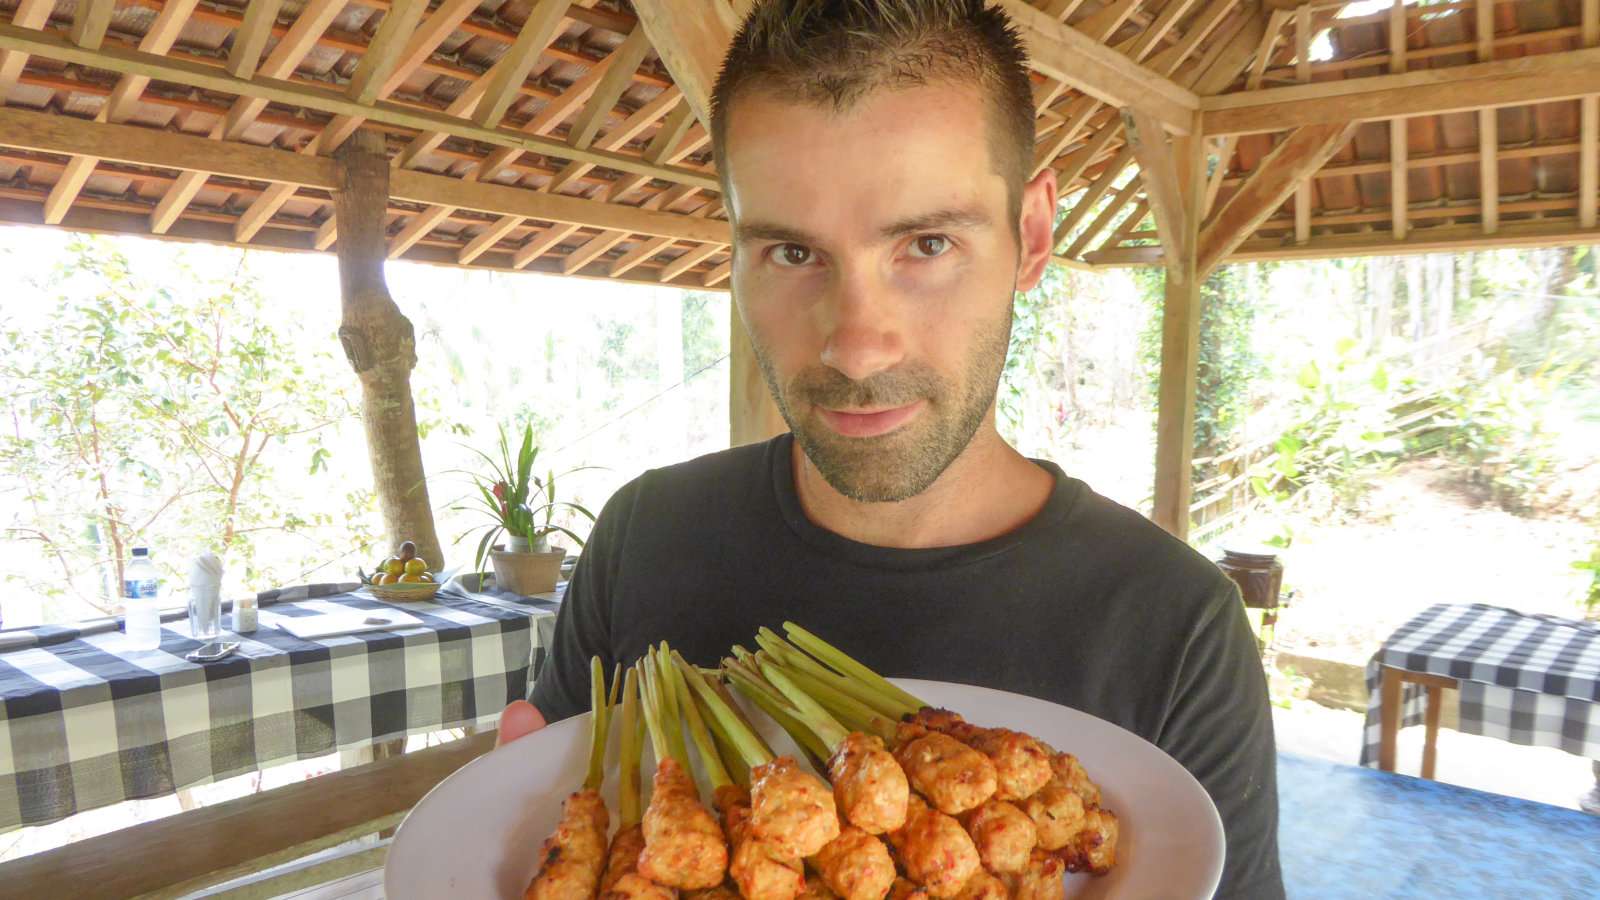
939	220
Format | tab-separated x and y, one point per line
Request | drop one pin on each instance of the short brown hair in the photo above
834	52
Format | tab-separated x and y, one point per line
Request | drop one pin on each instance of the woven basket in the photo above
403	593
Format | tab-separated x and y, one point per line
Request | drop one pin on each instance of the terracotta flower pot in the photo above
527	573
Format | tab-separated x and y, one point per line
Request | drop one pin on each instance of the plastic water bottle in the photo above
141	587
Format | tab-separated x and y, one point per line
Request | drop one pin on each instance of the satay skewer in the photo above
622	880
684	846
573	856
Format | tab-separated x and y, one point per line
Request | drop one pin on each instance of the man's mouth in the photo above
865	423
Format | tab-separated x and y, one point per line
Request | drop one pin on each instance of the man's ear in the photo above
1037	228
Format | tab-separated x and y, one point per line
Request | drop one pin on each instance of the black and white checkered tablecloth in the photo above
85	722
1528	679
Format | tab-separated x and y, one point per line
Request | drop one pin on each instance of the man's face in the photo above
875	262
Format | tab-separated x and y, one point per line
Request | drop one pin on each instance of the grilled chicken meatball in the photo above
856	866
869	787
791	809
817	889
1003	834
1066	770
984	885
1094	847
934	850
1041	880
906	889
722	891
623	857
683	846
633	886
575	854
759	872
953	776
1021	763
1057	813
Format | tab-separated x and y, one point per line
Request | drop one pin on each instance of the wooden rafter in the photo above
1589	127
504	86
1118	203
119	105
382	56
1092	194
1488	127
1274	180
47	133
1067	55
1545	78
250	38
90	21
691	41
1399	129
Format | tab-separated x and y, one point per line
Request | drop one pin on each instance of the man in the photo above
875	158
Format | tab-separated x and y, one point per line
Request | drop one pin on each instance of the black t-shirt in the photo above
1088	605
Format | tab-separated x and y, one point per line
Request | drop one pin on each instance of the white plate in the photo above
477	834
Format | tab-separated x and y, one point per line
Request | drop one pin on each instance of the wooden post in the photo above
1174	176
381	346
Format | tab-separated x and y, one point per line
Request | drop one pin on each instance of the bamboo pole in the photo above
381	346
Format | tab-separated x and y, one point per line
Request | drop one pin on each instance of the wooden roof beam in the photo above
49	133
537	33
1070	56
1118	203
33	14
1399	130
118	60
691	44
120	105
90	21
1092	195
1525	80
1589	127
382	57
1488	127
1290	163
250	38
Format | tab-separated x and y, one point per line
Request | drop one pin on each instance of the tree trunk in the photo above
1414	296
1380	274
381	346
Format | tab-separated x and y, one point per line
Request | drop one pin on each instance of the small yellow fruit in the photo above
425	578
394	566
410	578
416	565
383	578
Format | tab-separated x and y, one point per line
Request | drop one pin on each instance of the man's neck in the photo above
988	491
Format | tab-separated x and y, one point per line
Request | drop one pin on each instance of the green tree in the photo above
146	414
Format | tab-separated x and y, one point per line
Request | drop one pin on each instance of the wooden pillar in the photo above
381	346
1174	173
752	416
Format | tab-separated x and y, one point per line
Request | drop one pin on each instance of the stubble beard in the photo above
907	461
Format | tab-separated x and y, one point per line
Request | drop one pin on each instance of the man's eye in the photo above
929	246
791	255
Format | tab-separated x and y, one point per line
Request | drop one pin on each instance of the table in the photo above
1528	679
1345	831
85	722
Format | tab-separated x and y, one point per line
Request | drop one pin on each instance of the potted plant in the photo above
521	506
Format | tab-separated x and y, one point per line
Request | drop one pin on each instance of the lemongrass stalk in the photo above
795	660
744	739
807	710
848	667
714	681
630	799
849	711
672	671
651	697
772	703
599	718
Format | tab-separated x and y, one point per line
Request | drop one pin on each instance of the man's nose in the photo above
863	331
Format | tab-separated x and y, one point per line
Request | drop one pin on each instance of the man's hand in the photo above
518	719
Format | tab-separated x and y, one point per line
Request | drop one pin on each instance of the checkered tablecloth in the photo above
1527	679
85	722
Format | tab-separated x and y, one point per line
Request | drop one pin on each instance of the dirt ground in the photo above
1424	538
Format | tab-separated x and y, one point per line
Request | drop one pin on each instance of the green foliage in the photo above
1228	365
1031	325
702	345
1496	428
517	501
1591	600
1339	438
156	414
